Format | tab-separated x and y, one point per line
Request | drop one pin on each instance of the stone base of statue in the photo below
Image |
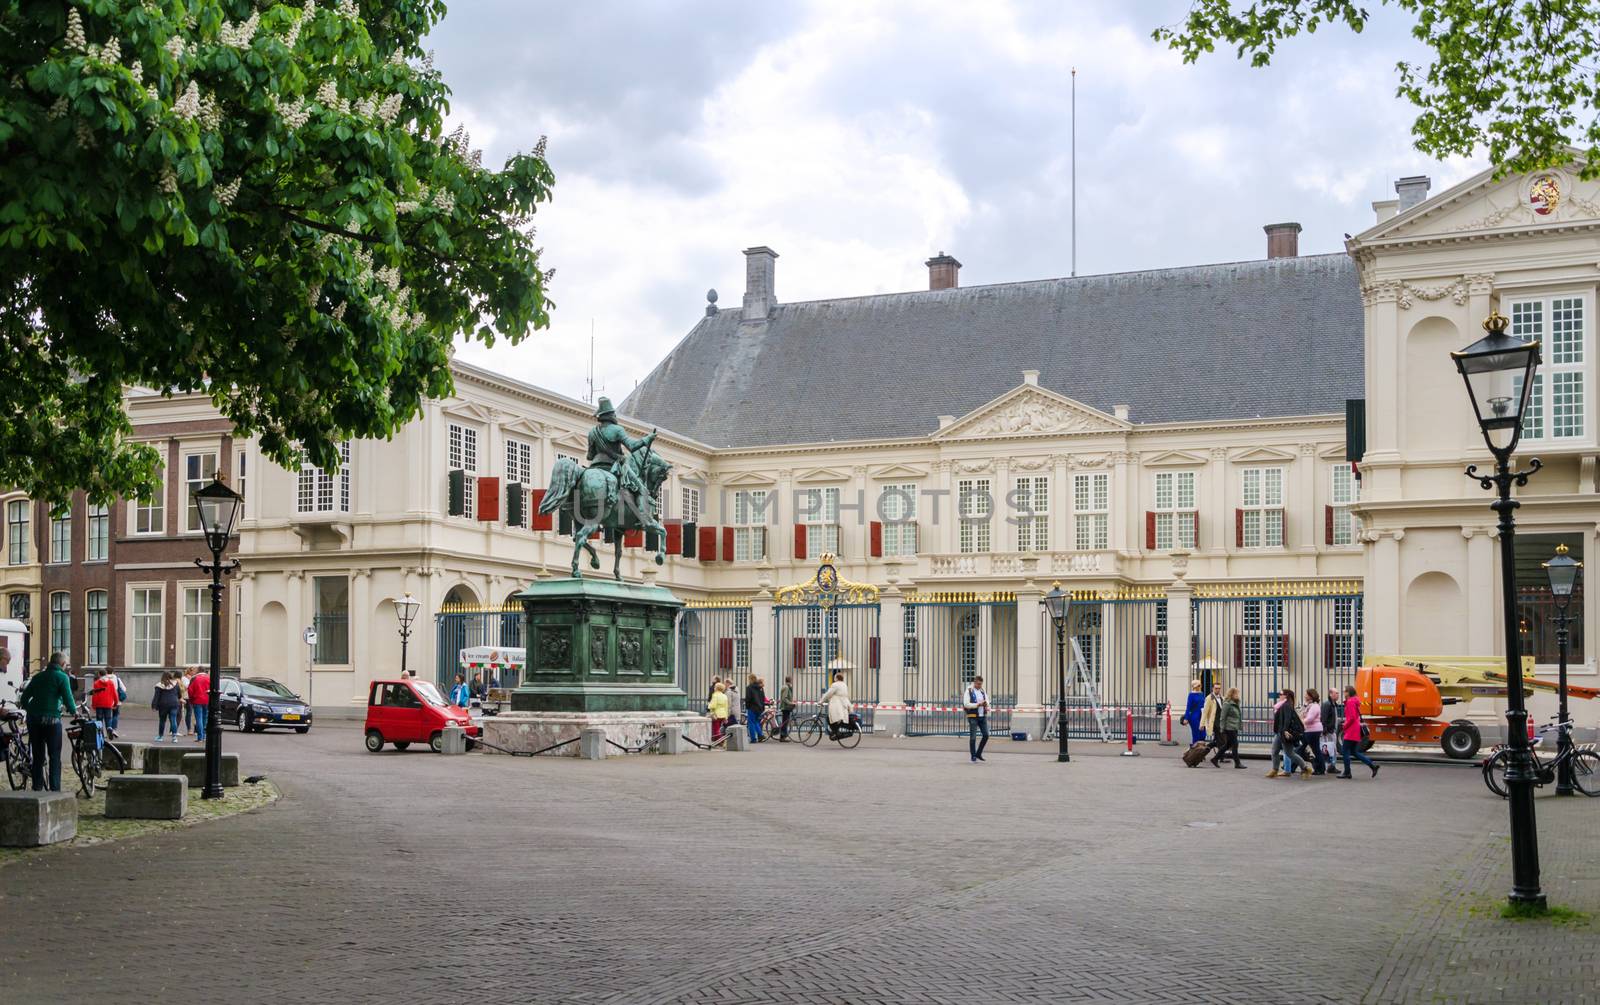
599	653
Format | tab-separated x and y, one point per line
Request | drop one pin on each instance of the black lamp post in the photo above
1492	367
218	507
405	609
1058	603
1563	571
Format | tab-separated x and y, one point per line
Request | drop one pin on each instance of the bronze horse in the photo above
594	499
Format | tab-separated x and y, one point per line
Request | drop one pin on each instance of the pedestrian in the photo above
785	709
1331	709
1351	733
183	692
122	696
755	702
103	699
837	701
1291	731
1311	715
1276	756
712	689
976	704
168	705
47	695
1208	717
717	708
477	687
200	701
1229	721
1192	713
460	694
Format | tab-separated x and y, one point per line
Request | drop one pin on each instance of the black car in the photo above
256	703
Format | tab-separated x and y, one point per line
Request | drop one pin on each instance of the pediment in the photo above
469	410
898	471
1173	459
1483	203
746	478
1257	455
524	426
821	475
1332	452
1029	410
570	442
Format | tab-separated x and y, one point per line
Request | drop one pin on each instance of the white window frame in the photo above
321	492
96	531
96	626
1033	512
1562	385
461	454
142	646
822	637
690	499
908	645
821	510
1263	507
60	615
1343	493
61	539
749	525
741	638
1261	620
974	514
19	531
1348	632
1091	511
149	519
519	462
1176	503
240	457
897	508
191	518
194	625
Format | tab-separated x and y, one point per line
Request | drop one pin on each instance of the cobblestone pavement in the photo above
896	872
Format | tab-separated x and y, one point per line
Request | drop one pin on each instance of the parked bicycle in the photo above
14	746
91	753
815	728
1585	765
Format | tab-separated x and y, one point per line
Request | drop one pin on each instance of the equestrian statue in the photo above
619	491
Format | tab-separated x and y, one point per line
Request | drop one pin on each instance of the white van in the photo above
14	640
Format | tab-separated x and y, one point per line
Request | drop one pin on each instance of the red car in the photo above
403	712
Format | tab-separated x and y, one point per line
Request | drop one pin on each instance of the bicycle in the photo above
1585	765
812	730
91	752
14	747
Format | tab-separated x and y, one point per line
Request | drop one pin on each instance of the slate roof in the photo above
1274	337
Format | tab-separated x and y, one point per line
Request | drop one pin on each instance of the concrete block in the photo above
147	797
132	753
672	739
193	767
592	743
738	738
453	740
30	819
167	759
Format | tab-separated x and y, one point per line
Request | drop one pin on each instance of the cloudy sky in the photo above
859	137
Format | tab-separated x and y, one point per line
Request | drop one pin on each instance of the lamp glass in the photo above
1563	571
218	507
1499	371
406	608
1056	603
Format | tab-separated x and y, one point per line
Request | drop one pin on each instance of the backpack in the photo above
122	692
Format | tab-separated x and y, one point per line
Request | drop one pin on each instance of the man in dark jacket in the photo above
1287	724
46	698
755	702
1332	710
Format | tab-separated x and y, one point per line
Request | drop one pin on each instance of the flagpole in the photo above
1074	171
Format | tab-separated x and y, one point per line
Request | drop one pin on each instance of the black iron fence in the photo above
951	639
714	644
460	627
812	642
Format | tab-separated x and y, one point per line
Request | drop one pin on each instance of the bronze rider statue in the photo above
608	442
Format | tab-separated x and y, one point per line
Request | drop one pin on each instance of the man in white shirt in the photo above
976	704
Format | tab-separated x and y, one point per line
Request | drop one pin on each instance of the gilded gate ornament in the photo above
827	589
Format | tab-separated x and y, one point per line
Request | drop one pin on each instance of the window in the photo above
1344	645
741	638
897	507
95	628
198	471
689	504
1091	509
61	538
1175	510
519	462
147	624
749	533
97	545
1161	634
967	649
1343	490
61	624
239	486
1262	513
973	507
1033	513
332	619
908	649
1556	407
324	492
1536	610
197	624
822	637
17	533
464	457
1262	643
821	512
150	515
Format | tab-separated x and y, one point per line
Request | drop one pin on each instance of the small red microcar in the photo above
403	712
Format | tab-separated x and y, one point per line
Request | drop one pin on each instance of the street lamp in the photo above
405	609
218	507
1498	370
1563	571
1057	603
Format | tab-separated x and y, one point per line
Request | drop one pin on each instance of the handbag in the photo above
122	692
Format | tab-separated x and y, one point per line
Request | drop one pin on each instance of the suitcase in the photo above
1195	754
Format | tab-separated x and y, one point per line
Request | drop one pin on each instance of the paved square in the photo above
896	872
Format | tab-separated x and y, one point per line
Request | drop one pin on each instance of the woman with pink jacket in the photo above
1352	733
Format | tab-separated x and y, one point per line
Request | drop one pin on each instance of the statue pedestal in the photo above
527	732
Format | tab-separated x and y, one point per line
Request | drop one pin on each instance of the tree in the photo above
253	200
1514	77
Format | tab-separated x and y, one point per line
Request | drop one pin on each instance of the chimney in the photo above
759	299
1412	190
1283	240
944	272
1386	209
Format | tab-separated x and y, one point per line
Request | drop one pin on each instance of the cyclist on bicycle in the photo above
837	701
48	694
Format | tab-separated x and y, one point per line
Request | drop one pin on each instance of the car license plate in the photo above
291	716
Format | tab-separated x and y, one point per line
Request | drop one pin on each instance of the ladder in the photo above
1080	671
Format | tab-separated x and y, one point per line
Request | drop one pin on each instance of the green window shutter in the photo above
516	505
458	492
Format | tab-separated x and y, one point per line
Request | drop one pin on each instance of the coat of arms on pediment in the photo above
1557	195
1031	411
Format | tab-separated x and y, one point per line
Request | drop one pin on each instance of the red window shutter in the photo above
724	654
1151	652
1238	651
1238	528
633	539
708	544
537	520
800	541
875	532
872	653
1327	651
1283	650
674	537
489	499
1197	530
1327	525
799	648
727	544
1149	532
